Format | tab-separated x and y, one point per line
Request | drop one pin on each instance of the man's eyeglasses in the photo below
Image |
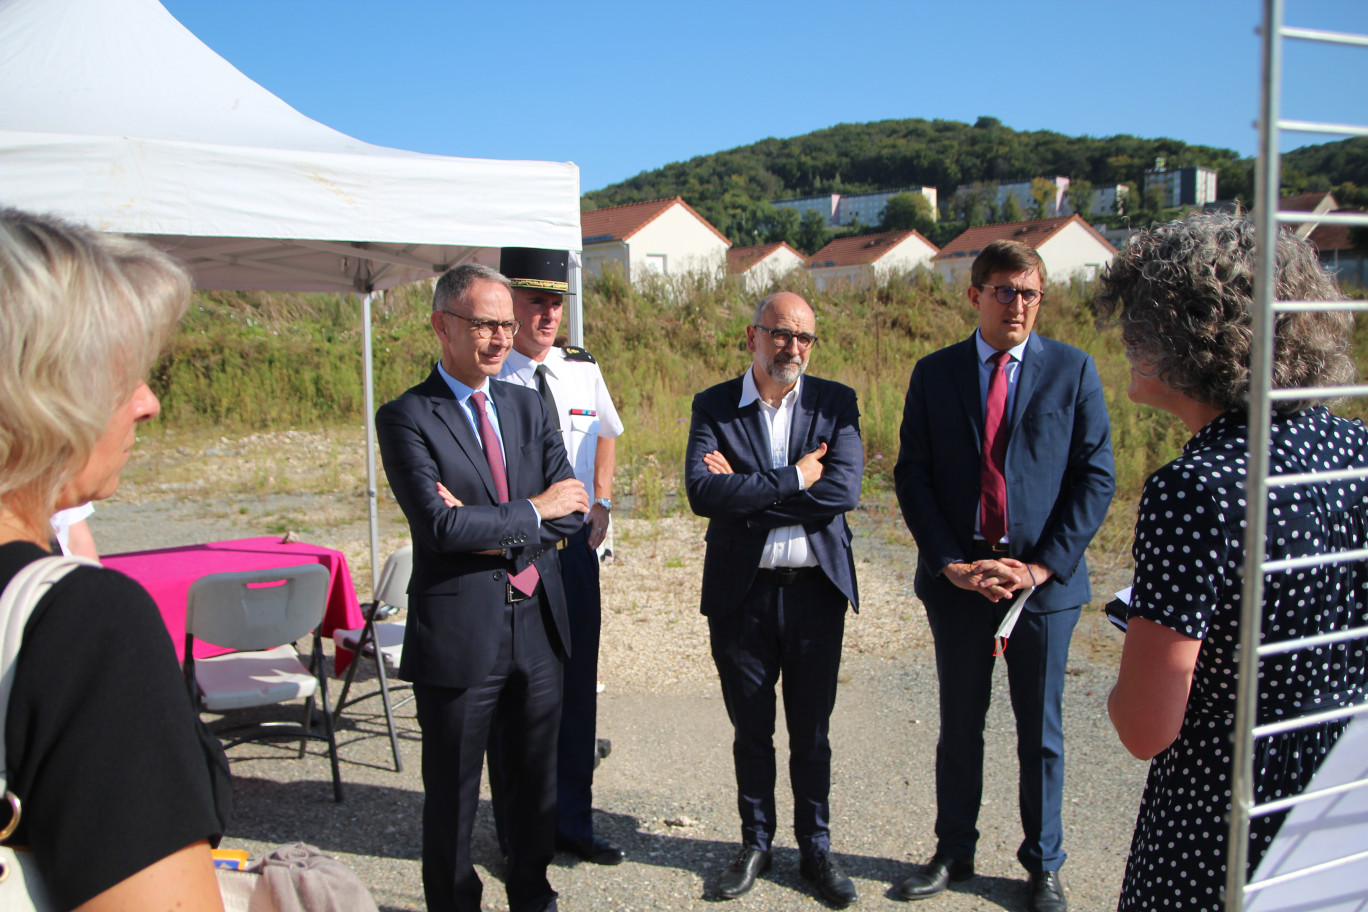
484	329
782	337
1006	294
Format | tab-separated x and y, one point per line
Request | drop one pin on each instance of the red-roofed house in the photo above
869	256
1339	255
1067	245
758	266
1314	202
664	237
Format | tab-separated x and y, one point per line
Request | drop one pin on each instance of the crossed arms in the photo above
723	481
415	476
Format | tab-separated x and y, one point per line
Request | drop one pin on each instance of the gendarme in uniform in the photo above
570	381
585	409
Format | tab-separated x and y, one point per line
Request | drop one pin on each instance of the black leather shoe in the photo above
1047	893
593	849
934	877
831	881
739	876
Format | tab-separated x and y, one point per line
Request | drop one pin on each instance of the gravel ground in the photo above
666	794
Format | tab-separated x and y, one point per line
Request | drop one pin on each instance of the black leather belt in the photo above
984	549
787	576
514	595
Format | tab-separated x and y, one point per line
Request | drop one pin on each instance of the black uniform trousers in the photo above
577	749
579	707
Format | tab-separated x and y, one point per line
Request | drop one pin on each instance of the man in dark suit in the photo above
775	462
1004	475
487	626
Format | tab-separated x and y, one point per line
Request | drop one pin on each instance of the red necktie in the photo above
526	581
993	486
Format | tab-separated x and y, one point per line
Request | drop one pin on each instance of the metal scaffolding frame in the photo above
1262	396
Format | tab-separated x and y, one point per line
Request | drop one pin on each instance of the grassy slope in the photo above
275	361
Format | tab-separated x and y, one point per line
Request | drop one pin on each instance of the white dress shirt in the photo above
786	546
586	409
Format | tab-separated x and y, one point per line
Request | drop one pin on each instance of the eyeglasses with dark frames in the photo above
782	337
484	329
1006	294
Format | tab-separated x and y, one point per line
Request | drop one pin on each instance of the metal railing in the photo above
1259	482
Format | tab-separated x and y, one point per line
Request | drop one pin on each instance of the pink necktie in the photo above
526	581
993	502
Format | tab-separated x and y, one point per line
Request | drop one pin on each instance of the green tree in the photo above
779	223
907	211
1080	196
1042	195
1358	236
976	204
813	232
1153	200
1011	210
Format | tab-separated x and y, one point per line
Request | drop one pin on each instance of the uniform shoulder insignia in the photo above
575	353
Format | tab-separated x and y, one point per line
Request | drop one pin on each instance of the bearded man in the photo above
775	462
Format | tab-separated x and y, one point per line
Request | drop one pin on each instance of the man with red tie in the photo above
1004	475
487	626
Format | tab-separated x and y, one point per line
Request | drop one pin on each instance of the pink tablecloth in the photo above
168	573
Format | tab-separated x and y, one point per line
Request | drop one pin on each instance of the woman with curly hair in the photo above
1183	293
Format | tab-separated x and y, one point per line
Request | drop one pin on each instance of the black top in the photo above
106	752
1189	559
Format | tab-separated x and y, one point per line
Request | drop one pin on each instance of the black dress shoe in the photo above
934	877
593	849
739	876
831	881
1047	893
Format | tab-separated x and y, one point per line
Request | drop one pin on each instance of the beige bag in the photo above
21	889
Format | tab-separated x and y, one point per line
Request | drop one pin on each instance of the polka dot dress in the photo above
1188	568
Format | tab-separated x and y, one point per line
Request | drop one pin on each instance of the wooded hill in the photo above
732	189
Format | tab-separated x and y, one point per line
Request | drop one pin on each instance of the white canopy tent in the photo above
113	114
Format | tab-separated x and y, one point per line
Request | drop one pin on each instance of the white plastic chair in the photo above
260	614
390	596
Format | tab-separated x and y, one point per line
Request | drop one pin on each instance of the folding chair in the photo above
390	596
260	614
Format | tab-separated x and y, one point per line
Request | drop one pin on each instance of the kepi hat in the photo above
536	268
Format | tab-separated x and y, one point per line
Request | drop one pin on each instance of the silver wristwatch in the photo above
604	502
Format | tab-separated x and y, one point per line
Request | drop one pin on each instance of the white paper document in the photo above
1005	628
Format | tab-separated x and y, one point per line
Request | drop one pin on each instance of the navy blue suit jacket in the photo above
453	630
1060	475
742	508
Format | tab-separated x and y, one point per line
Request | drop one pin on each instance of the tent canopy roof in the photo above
113	114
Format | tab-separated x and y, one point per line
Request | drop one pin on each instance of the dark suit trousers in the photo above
516	707
1037	653
793	632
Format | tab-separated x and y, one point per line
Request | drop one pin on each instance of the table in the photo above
168	573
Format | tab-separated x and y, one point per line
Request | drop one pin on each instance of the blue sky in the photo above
623	87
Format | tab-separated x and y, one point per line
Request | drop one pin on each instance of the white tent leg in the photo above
372	489
577	305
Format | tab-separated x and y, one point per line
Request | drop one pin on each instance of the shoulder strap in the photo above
575	353
20	597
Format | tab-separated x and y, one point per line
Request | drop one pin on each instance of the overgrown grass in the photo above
253	361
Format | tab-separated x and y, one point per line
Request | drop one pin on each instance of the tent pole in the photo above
577	307
368	383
